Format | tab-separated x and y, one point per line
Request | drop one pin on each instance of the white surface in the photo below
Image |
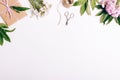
41	50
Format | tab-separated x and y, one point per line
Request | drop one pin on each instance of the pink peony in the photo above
111	7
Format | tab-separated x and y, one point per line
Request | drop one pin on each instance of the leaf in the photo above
93	3
10	30
118	19
83	1
1	39
4	34
106	18
18	9
77	3
2	25
83	9
109	20
99	7
102	18
100	13
88	9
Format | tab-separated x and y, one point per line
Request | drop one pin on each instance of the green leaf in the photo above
100	13
93	3
83	1
1	39
18	9
88	9
118	19
2	25
83	8
99	7
102	18
4	34
109	20
10	30
77	3
106	18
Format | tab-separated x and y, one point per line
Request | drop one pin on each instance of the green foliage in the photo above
37	4
3	33
93	3
105	18
83	8
117	20
86	5
19	9
77	3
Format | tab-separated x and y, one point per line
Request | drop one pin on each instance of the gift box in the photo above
8	15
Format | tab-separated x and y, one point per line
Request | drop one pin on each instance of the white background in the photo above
42	50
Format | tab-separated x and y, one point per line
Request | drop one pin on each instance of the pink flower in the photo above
104	2
111	7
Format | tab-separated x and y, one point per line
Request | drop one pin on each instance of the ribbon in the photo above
8	9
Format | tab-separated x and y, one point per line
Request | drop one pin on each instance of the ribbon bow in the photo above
8	9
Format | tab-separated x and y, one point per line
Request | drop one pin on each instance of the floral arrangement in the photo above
11	11
109	9
85	5
39	7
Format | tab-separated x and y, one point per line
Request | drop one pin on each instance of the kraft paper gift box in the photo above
9	20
